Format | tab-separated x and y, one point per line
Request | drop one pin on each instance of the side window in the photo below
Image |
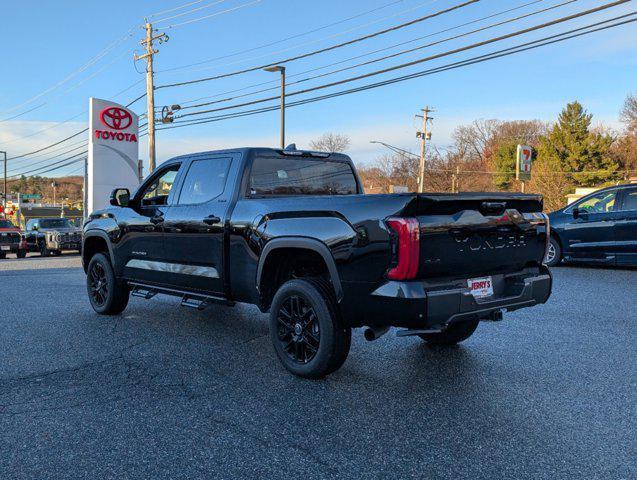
600	203
205	180
157	192
630	200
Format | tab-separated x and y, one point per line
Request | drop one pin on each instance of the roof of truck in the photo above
245	151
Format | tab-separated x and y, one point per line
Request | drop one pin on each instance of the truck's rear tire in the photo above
307	330
455	333
107	294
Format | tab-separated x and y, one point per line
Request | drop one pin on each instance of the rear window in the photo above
301	176
6	224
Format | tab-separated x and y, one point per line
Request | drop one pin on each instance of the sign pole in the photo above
523	161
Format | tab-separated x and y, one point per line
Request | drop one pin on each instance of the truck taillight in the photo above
548	235
408	250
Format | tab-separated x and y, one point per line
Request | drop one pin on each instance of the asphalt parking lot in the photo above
168	392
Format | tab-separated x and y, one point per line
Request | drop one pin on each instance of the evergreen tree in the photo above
572	147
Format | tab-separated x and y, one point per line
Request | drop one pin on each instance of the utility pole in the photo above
147	43
424	136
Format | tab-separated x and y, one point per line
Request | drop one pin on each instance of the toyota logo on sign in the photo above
116	118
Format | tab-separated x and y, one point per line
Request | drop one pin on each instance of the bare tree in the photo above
331	142
628	114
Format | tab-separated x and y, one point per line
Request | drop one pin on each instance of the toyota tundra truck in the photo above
11	240
293	233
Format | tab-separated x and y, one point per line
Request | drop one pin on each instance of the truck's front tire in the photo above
107	294
455	333
307	330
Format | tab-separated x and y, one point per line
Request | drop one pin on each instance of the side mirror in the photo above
575	213
120	197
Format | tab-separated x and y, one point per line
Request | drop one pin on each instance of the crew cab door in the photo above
591	236
141	248
194	224
626	227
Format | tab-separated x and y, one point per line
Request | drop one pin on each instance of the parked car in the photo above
599	228
292	232
52	236
11	240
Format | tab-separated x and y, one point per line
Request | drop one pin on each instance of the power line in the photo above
49	146
84	67
326	49
61	166
303	80
48	159
22	113
189	11
474	60
173	9
302	34
425	59
186	102
222	12
49	165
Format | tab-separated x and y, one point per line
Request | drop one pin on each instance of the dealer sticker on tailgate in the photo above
481	287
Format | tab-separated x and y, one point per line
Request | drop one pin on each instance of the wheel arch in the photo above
301	244
96	241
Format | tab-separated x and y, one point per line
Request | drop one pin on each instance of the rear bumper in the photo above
10	247
428	304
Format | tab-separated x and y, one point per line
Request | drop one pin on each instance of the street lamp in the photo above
281	69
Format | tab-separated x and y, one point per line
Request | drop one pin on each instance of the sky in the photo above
54	57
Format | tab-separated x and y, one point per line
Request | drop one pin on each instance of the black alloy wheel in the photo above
98	284
298	331
306	328
108	294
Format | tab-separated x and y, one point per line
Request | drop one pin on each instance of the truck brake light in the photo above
408	230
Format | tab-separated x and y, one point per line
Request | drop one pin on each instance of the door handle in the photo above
211	220
158	218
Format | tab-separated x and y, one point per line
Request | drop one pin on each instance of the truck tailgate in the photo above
469	235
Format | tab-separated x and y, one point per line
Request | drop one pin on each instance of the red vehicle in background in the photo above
11	240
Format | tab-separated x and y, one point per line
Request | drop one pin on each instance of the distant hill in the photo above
68	189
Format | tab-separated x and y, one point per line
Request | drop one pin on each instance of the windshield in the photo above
6	224
55	223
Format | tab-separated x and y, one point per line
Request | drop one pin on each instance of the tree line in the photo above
570	152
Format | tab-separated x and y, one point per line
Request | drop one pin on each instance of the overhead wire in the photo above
216	14
422	60
189	11
303	80
578	32
174	9
325	49
302	34
270	82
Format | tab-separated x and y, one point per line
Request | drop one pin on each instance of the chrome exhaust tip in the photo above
374	333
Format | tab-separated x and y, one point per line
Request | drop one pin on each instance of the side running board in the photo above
188	299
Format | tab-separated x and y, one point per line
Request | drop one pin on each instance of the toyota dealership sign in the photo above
113	151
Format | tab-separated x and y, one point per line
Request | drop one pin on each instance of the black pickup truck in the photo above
292	232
